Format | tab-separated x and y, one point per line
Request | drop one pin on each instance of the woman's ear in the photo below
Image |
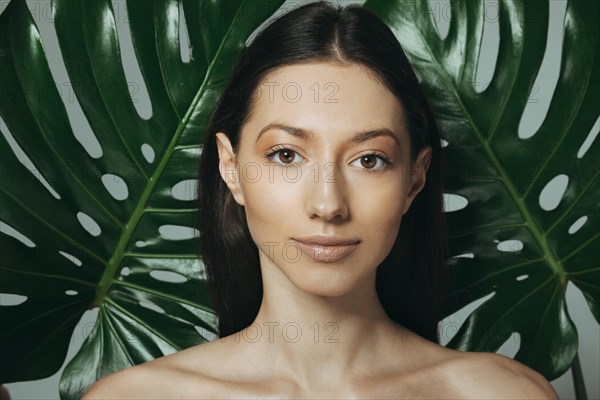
418	174
228	168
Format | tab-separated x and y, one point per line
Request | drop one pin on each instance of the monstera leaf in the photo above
109	232
504	243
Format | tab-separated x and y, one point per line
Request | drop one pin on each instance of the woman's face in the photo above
326	153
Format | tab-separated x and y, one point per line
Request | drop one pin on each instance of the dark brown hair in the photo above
410	281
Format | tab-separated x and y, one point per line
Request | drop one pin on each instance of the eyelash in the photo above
276	149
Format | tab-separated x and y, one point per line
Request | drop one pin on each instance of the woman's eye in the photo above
285	156
372	162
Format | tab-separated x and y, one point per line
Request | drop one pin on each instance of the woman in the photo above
323	232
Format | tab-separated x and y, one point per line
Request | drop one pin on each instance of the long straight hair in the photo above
410	282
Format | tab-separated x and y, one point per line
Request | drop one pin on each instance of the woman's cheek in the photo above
385	197
264	209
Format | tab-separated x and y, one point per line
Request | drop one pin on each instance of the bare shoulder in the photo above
122	384
164	377
490	375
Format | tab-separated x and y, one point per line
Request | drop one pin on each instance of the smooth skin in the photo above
321	331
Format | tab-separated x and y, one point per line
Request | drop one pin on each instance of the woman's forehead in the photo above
326	97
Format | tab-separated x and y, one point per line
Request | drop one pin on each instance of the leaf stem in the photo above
580	392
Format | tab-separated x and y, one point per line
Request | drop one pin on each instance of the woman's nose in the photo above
326	198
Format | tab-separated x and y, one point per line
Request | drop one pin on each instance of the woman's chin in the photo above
323	283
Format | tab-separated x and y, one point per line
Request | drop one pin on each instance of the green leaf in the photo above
503	175
64	269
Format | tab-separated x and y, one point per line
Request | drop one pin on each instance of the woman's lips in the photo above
327	254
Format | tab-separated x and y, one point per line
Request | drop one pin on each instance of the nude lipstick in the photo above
326	249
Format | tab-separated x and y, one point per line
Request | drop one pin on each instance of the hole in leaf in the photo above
10	299
84	133
185	190
545	83
148	153
136	86
167	276
454	202
444	142
125	271
151	306
10	231
511	346
511	245
448	329
553	192
488	52
522	277
178	232
89	224
141	243
71	258
465	255
589	140
449	326
88	321
25	160
439	12
577	224
116	186
71	292
184	40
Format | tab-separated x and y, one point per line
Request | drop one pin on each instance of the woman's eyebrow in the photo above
306	134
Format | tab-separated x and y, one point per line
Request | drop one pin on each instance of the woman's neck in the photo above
316	340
